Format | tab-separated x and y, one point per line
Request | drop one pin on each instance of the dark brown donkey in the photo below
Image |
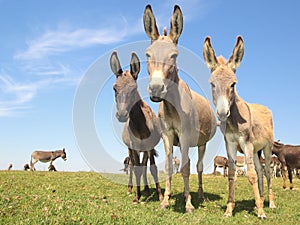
289	156
247	128
220	161
141	132
187	118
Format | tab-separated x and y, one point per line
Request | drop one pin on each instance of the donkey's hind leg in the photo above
137	168
32	168
144	168
154	173
268	156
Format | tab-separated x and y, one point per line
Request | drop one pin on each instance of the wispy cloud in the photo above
16	95
45	61
54	42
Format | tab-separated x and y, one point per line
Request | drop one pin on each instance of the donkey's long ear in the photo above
115	64
176	24
134	65
150	24
237	54
209	55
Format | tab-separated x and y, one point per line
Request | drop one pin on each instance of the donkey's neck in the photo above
56	154
177	92
138	120
239	114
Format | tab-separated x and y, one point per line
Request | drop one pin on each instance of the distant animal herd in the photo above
186	119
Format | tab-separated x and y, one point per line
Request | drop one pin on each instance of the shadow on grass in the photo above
179	205
153	197
244	205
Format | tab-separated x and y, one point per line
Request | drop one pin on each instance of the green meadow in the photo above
91	198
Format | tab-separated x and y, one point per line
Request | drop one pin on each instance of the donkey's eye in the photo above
148	55
232	85
212	85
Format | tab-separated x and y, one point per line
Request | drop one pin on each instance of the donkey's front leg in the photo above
168	143
185	172
231	154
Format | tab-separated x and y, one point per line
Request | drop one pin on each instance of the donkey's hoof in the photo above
227	214
135	201
262	217
164	206
161	198
272	206
189	210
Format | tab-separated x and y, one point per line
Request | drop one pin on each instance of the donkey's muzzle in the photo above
122	117
157	92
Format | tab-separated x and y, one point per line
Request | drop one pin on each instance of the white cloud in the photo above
55	42
15	96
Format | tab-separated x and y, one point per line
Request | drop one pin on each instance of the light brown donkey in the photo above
187	118
141	131
246	127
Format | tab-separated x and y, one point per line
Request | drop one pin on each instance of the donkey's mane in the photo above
221	60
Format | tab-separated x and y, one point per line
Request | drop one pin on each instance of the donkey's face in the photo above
223	77
125	86
162	53
64	154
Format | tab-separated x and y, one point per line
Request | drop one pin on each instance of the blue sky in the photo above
48	47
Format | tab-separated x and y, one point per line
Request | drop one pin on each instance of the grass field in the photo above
89	198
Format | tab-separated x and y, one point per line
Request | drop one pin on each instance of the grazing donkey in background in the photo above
142	131
176	163
247	128
10	166
220	161
276	167
127	165
289	156
240	162
187	118
45	156
52	168
26	167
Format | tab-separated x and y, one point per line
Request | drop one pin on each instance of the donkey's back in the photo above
262	126
42	156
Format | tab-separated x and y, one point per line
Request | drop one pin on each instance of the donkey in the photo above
187	118
51	168
275	167
240	162
127	165
26	167
142	131
220	161
176	163
289	156
45	156
247	128
10	166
